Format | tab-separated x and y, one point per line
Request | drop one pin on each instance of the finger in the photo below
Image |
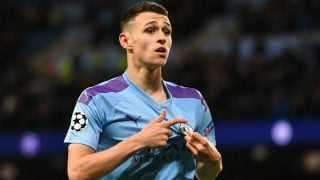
192	149
191	145
164	138
194	143
162	144
195	136
187	138
198	146
174	121
170	133
161	116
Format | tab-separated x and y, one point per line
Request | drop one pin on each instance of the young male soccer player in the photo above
138	126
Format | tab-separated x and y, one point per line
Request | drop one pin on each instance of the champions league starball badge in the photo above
79	121
185	129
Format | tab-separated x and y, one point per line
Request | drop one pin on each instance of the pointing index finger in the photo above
174	121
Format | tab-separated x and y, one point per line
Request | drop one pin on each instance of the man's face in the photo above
150	39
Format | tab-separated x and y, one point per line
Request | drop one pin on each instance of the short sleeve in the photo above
206	127
85	125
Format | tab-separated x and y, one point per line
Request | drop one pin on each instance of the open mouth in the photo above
161	50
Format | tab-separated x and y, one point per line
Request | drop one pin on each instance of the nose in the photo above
161	38
162	41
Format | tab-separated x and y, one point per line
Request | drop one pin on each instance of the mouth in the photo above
162	51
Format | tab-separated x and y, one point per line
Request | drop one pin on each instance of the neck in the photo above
150	81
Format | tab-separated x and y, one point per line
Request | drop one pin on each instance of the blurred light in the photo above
30	144
281	132
311	162
259	153
8	171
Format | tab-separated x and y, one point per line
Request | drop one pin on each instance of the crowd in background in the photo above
250	59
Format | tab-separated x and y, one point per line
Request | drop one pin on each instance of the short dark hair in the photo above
140	7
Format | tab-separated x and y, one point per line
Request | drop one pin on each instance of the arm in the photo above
208	159
85	163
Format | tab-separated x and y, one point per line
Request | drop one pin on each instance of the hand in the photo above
156	133
209	161
202	149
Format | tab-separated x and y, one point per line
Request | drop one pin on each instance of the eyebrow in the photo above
155	22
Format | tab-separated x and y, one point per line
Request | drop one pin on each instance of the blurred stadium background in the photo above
256	62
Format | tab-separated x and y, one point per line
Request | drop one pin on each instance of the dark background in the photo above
254	61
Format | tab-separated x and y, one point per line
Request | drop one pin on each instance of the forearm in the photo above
209	170
211	166
94	165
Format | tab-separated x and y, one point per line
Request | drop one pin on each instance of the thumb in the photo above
161	116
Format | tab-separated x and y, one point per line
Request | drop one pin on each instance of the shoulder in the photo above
114	85
178	91
182	92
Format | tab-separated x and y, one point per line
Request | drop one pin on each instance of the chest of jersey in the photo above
129	118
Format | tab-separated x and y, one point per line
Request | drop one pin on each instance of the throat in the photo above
159	97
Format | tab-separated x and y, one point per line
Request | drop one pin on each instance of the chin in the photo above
163	61
159	63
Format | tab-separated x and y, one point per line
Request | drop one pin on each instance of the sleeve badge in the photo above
79	121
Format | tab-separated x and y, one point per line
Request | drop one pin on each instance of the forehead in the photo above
147	17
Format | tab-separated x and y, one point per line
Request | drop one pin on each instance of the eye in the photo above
167	31
150	30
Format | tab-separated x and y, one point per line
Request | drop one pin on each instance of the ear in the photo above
125	40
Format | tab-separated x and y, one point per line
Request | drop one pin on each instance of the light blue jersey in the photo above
114	110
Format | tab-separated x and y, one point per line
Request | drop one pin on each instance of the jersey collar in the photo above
145	96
